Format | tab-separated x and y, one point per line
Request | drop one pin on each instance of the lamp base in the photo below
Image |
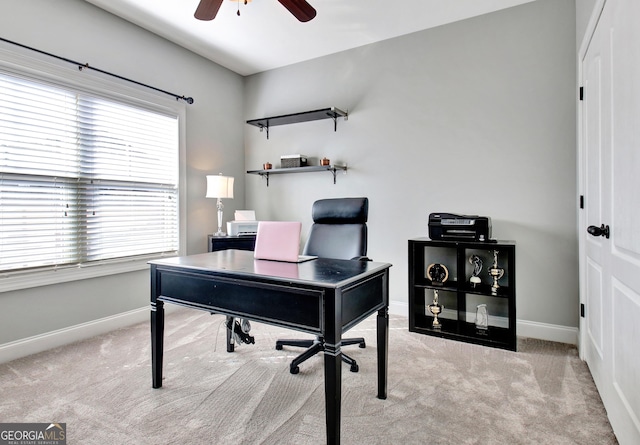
220	207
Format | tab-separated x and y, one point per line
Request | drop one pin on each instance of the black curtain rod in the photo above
82	66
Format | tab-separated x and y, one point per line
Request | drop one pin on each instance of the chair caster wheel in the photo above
294	370
354	368
362	345
279	347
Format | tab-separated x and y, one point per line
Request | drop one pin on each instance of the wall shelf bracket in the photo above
262	127
334	169
265	175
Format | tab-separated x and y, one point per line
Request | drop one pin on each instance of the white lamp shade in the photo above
219	186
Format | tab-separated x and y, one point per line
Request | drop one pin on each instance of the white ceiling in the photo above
267	36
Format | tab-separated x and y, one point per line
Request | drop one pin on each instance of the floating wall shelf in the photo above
276	171
305	116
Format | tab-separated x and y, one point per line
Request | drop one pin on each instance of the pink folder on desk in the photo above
279	241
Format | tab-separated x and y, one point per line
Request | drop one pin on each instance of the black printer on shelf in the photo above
452	227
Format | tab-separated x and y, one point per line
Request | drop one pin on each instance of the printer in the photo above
452	227
244	223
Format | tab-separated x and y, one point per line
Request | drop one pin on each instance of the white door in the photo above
610	184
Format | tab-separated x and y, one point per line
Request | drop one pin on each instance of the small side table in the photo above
240	242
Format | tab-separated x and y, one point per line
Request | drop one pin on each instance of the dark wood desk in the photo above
323	297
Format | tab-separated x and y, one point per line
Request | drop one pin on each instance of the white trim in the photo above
55	276
524	328
61	337
399	308
598	7
545	331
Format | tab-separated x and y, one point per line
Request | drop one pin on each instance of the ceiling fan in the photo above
303	11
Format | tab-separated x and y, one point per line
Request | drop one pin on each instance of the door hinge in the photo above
581	93
582	201
582	310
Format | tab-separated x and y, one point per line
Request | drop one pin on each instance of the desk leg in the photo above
333	364
333	391
383	346
157	341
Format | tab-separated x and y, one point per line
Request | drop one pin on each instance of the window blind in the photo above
83	178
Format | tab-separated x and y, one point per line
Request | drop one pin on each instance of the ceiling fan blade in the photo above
301	10
207	9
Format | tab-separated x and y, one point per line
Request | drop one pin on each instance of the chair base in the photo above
314	347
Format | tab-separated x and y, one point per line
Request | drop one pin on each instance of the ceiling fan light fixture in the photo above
238	1
300	9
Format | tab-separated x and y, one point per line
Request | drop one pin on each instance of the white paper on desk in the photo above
245	215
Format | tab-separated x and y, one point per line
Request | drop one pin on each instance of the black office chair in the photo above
339	231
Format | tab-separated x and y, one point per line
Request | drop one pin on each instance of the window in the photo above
84	179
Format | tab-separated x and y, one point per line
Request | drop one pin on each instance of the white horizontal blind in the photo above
83	179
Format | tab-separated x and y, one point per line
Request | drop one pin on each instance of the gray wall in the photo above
82	32
474	117
477	117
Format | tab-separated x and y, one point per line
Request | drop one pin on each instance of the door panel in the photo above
594	303
610	178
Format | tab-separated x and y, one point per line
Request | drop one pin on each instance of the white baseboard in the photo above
61	337
398	308
544	331
524	328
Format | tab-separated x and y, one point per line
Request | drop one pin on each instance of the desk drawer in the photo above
297	308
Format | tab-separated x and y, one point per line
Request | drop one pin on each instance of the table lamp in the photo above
219	187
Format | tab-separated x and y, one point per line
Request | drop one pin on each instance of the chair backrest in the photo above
339	229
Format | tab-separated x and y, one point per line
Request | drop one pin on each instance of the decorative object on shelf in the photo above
325	161
220	187
437	273
289	161
477	268
267	166
435	308
300	9
496	273
482	317
333	169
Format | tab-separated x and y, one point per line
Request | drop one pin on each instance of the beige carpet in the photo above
440	391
